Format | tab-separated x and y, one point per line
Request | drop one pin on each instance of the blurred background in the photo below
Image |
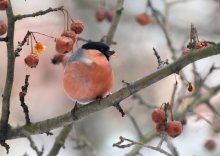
134	59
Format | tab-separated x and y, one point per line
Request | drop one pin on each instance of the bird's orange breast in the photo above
85	82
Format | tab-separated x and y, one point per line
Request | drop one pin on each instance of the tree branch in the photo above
39	13
65	119
60	139
115	22
9	76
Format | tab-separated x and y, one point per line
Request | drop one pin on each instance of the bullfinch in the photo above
88	74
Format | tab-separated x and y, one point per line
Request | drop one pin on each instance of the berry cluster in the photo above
102	13
66	41
143	18
3	27
173	128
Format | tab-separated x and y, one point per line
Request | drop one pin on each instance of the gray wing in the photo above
79	55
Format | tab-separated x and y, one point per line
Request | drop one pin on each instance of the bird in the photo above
88	74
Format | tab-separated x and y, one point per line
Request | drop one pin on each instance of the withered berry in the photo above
174	128
77	26
64	44
158	115
31	60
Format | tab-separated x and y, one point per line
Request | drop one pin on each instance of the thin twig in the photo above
34	147
137	128
164	29
161	63
21	44
39	13
22	94
131	143
60	140
141	101
115	22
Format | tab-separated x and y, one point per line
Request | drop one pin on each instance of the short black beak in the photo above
110	52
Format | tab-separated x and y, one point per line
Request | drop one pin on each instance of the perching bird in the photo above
88	74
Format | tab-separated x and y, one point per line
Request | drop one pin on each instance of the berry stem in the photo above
43	34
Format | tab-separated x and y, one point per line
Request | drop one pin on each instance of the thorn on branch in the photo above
119	108
161	63
22	94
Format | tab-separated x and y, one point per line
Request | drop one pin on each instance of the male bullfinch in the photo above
88	74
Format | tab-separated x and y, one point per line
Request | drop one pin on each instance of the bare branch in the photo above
65	119
9	76
115	22
60	140
164	29
22	94
39	13
131	143
34	147
137	128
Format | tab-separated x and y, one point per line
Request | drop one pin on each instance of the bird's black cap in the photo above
102	47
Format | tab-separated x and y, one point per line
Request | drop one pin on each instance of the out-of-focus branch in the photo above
34	147
65	119
60	140
115	22
164	29
39	13
137	128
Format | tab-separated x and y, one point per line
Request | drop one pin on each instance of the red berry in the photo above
186	51
100	14
77	26
64	44
4	4
210	144
143	18
31	60
3	28
109	14
71	34
174	128
201	44
158	116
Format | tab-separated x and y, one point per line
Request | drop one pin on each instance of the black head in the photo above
103	48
